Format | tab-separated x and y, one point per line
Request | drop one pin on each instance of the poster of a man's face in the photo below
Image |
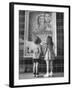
47	17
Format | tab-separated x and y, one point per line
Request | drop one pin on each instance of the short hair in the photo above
38	40
48	13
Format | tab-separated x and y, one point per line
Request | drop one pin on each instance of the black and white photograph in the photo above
41	47
41	44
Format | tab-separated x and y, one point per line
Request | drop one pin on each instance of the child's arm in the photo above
39	49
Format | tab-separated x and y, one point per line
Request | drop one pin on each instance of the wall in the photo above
60	33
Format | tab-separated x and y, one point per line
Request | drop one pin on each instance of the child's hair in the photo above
38	40
50	39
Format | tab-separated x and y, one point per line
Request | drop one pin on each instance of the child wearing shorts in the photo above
36	55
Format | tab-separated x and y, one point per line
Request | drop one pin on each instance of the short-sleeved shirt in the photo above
36	51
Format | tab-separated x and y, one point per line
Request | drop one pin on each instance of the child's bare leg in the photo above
47	68
51	68
36	68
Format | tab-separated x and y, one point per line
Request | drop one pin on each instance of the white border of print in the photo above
18	81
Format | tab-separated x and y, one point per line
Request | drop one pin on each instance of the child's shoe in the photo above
51	74
46	75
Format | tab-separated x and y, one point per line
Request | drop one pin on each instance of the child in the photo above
49	56
36	55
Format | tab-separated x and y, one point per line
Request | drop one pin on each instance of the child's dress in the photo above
49	54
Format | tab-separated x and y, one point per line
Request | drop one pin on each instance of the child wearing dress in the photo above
49	57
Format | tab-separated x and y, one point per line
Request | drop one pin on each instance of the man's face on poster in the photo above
47	18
